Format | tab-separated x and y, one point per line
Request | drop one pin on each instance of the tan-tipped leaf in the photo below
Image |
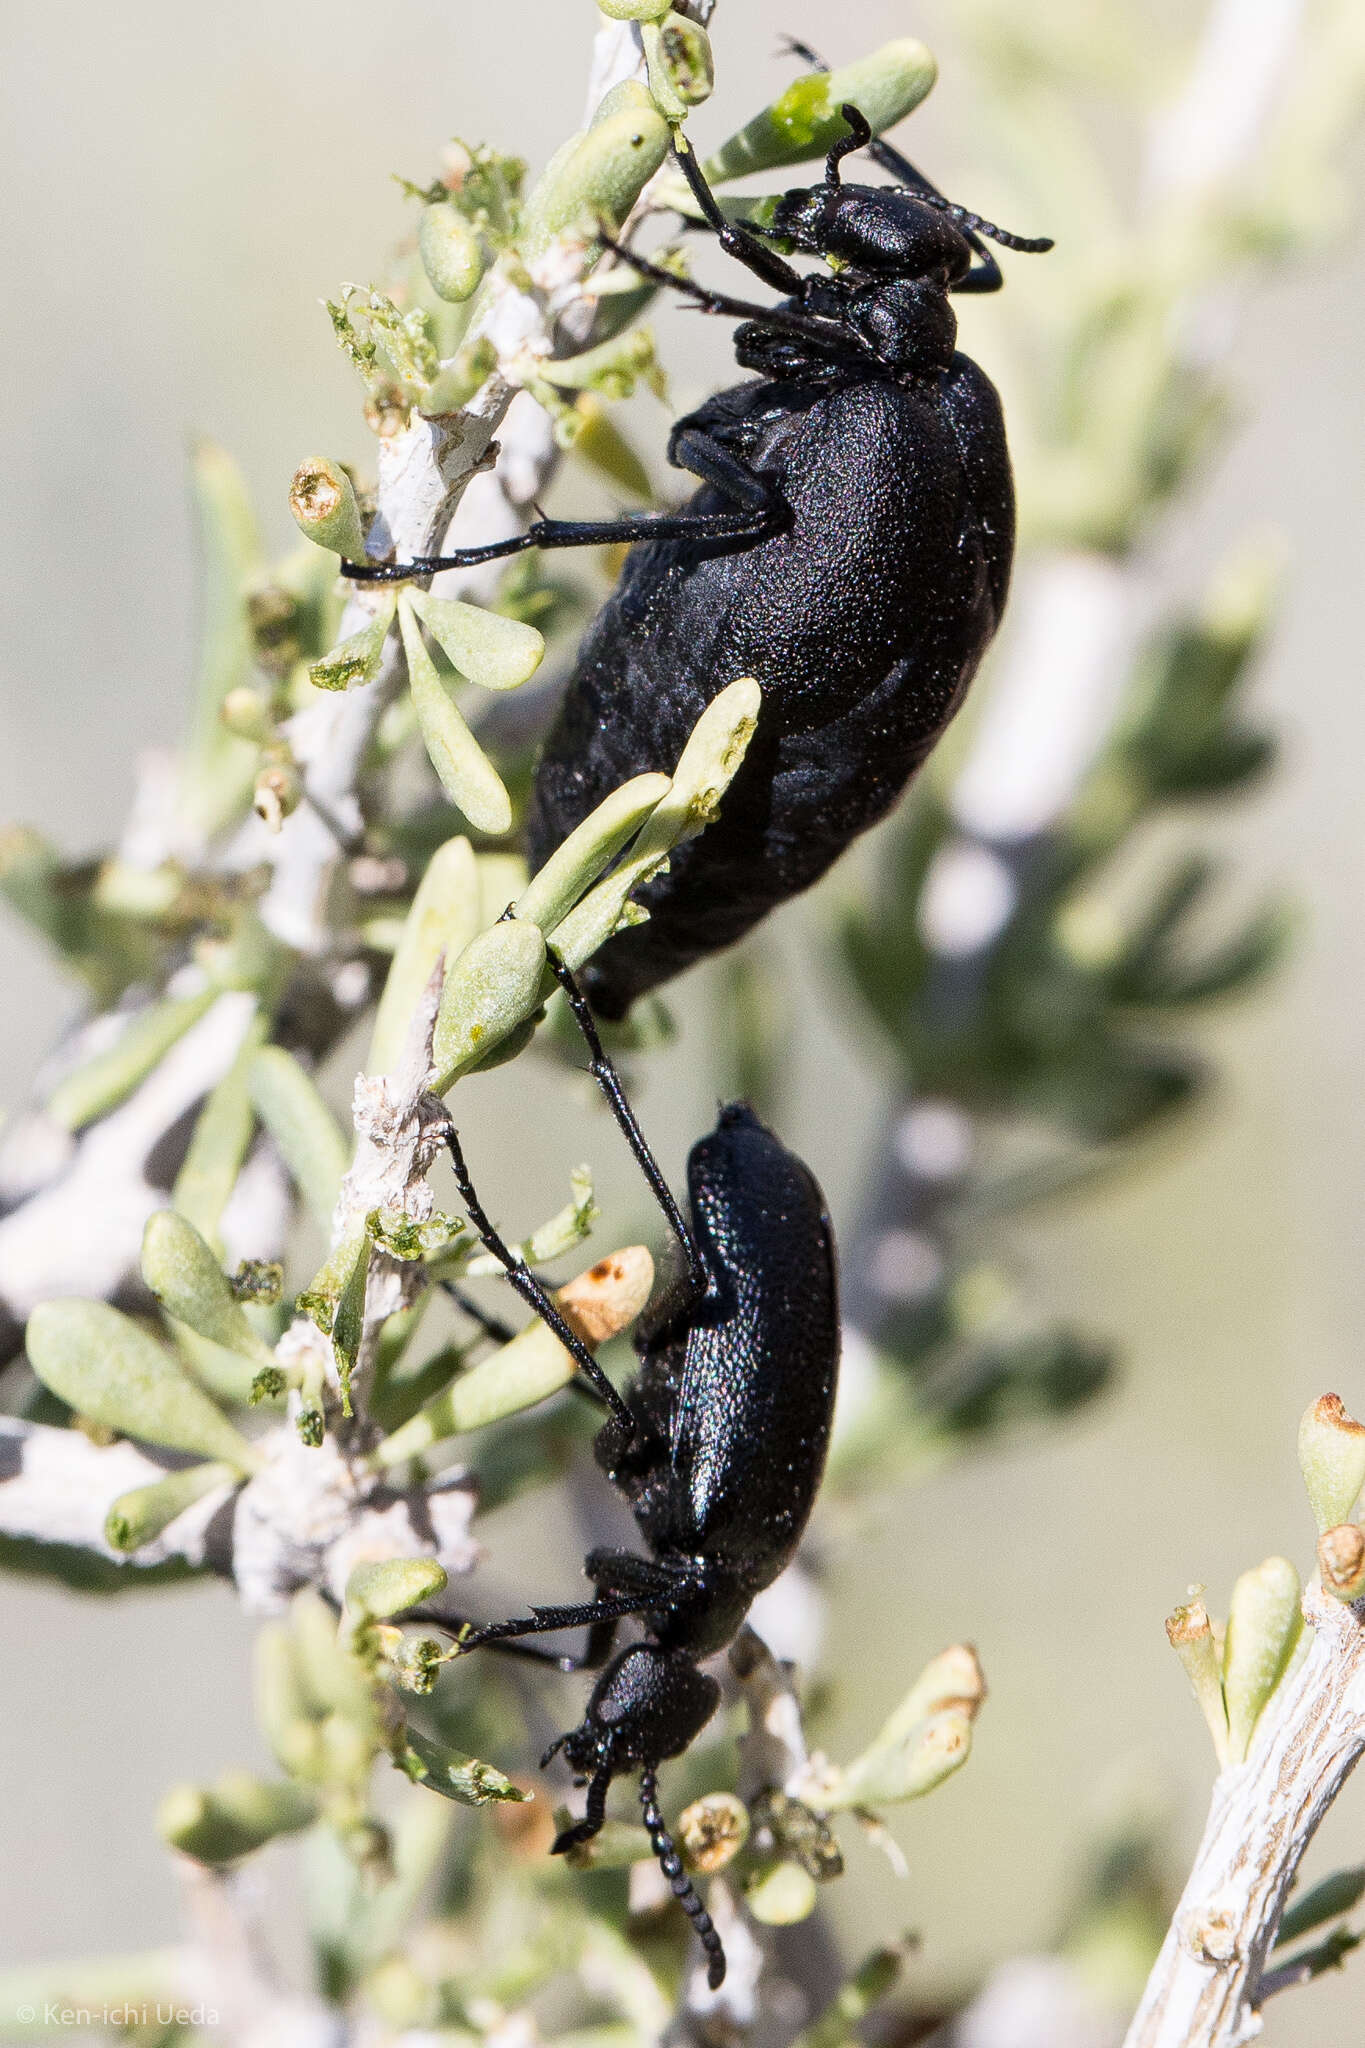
107	1368
140	1516
1264	1624
392	1585
302	1126
805	121
590	848
190	1284
1190	1634
444	917
708	764
466	774
496	653
1332	1460
492	988
217	1824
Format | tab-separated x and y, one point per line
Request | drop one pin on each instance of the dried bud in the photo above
1190	1634
1332	1460
712	1831
323	501
276	795
1341	1558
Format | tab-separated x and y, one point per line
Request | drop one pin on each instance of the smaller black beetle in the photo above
718	1446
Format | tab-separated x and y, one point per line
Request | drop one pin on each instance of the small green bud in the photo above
599	173
1341	1559
107	1368
805	121
1265	1621
393	1585
496	653
302	1125
323	502
445	914
277	795
450	250
712	1831
492	988
782	1896
415	1664
682	71
311	1425
268	1385
589	849
1190	1634
455	1776
246	713
190	1284
1332	1460
217	1824
357	659
140	1516
466	774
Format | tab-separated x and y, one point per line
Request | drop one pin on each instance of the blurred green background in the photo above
183	187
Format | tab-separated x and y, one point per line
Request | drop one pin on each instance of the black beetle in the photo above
850	548
718	1446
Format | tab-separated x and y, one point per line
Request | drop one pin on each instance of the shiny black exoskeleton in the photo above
850	548
718	1446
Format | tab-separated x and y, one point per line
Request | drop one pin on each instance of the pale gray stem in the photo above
1207	1983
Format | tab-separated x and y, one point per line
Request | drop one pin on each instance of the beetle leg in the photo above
492	1326
608	1080
735	239
679	1883
529	1288
590	1614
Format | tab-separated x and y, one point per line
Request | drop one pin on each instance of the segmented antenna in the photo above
670	1862
1029	245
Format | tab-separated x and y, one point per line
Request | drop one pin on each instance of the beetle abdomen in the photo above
864	624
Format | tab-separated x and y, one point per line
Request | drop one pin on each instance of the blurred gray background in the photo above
183	185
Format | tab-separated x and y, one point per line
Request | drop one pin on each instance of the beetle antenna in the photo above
670	1862
603	1071
583	1830
1027	245
858	137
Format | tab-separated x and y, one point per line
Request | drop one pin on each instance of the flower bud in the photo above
1332	1460
1264	1624
190	1284
1341	1559
451	254
1190	1634
783	1896
323	501
392	1585
276	795
108	1369
712	1831
806	122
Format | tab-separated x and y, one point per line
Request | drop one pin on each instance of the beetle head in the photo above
874	230
648	1704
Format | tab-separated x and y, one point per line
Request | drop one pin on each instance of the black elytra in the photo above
850	548
718	1445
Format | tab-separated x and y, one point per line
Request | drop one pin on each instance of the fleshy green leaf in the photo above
466	774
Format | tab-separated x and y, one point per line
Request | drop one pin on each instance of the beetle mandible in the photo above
718	1446
850	548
